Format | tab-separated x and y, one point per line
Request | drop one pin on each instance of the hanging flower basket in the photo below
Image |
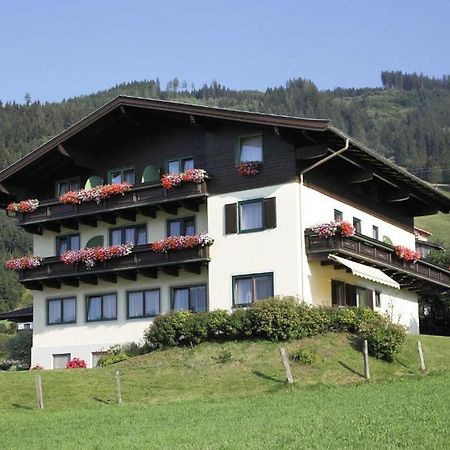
329	229
96	194
181	242
249	168
406	253
171	180
23	206
26	262
89	256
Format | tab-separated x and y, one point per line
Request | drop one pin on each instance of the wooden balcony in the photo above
145	199
142	261
421	276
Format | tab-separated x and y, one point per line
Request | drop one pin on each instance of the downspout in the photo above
302	231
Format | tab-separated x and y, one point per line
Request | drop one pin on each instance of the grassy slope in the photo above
190	374
439	225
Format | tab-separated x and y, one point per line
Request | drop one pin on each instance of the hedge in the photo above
275	319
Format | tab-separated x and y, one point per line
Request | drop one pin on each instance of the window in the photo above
68	242
343	294
338	215
377	296
61	310
124	175
64	186
96	357
249	288
251	216
180	165
101	307
136	235
181	227
60	360
143	303
189	298
250	149
375	233
357	224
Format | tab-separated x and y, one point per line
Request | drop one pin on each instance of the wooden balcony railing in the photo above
144	199
414	275
142	261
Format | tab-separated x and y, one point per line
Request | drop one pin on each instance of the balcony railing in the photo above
142	261
418	276
145	199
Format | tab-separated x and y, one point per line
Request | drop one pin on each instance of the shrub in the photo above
114	355
166	330
18	346
238	324
76	363
12	364
384	338
302	356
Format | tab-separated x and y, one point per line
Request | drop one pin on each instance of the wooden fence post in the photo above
421	358
287	367
118	389
40	398
366	360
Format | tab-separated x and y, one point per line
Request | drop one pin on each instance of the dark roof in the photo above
19	315
368	157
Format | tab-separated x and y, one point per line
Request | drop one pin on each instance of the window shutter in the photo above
270	212
370	295
231	218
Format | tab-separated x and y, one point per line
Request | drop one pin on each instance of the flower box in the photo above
171	180
181	242
249	168
97	194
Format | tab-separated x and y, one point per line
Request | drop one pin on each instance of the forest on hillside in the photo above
407	120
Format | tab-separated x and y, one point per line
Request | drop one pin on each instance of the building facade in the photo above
269	181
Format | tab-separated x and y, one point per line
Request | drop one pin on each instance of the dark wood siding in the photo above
231	218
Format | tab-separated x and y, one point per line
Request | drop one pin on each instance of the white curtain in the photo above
189	228
75	242
69	310
175	228
251	149
129	235
94	308
152	303
181	299
251	216
198	298
263	287
188	164
135	304
116	237
174	167
109	306
243	294
142	236
54	311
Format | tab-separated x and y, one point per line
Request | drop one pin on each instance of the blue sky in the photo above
59	49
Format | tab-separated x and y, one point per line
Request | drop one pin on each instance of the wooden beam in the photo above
89	279
149	273
311	152
72	224
108	218
56	284
63	152
89	221
361	176
170	208
109	277
396	196
193	268
52	226
132	276
74	282
191	205
34	229
33	285
128	214
148	211
170	270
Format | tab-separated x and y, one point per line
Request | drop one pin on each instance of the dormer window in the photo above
250	149
180	165
122	175
64	186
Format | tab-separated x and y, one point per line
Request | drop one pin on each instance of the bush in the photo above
18	346
303	356
238	324
166	330
12	364
384	338
114	355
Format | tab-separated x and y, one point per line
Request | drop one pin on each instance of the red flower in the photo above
76	363
249	168
406	253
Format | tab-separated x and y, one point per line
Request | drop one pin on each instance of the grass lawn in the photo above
438	224
189	398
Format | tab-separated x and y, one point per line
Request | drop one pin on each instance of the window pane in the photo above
74	186
75	242
94	308
128	176
338	216
263	287
63	188
69	314
198	298
243	291
62	245
142	235
375	232
180	299
116	177
174	228
188	164
251	216
337	293
362	296
109	306
174	166
135	304
60	361
189	227
357	224
130	235
152	303
54	311
116	237
251	149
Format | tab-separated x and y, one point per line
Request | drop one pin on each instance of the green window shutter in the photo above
231	218
150	174
270	212
93	182
96	241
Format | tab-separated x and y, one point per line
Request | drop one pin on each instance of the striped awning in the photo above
369	273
